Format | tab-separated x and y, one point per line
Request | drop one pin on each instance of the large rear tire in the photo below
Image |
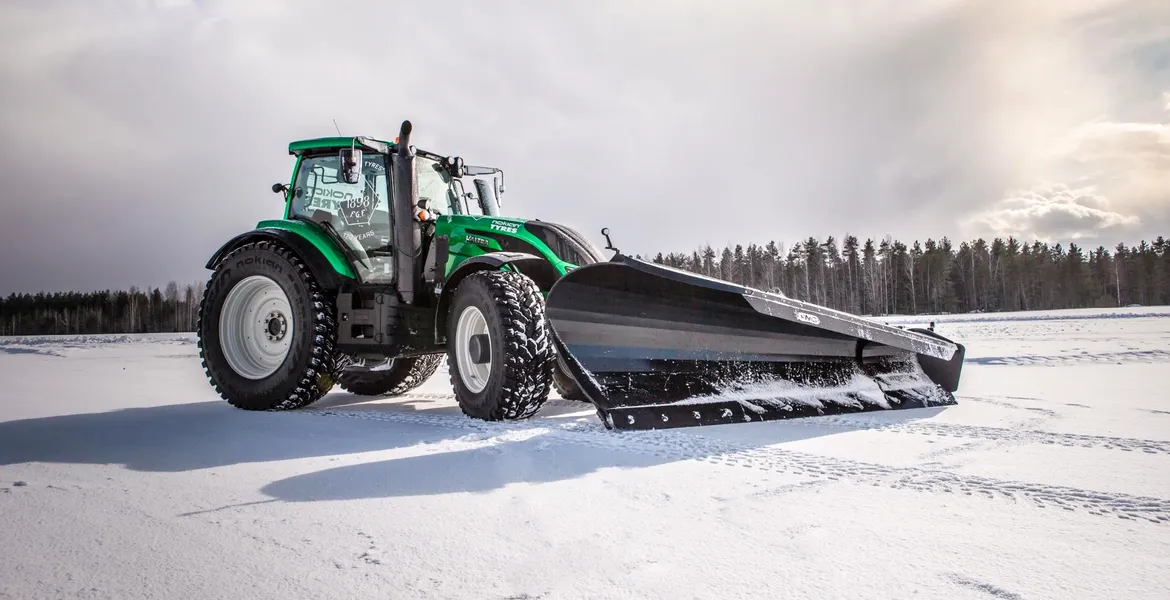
266	333
499	347
392	378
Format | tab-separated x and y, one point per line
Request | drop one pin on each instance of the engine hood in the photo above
567	243
515	234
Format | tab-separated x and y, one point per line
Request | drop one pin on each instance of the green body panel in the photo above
316	236
469	236
465	234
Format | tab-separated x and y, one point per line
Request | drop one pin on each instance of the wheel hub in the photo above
480	349
473	349
276	326
256	327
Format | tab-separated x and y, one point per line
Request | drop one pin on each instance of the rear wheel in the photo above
266	333
498	346
564	383
389	378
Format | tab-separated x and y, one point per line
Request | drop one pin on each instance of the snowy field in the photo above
122	475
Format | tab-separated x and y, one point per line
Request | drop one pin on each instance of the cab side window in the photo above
320	193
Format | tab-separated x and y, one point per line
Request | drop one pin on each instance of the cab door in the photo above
357	214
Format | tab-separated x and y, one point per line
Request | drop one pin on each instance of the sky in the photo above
136	136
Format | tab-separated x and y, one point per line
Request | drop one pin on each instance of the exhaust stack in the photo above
488	202
407	237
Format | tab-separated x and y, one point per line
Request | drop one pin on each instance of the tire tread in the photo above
405	375
527	342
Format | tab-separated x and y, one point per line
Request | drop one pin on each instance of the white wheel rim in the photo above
471	322
256	327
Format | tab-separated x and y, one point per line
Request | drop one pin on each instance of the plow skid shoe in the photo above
654	347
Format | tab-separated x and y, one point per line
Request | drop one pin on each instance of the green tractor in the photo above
383	263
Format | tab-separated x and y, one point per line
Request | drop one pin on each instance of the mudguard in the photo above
490	261
325	272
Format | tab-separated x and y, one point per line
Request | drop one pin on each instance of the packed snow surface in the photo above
122	475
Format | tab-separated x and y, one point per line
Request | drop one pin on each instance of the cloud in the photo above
1130	161
138	136
1056	213
1124	193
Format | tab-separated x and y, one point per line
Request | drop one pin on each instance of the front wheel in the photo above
266	332
499	347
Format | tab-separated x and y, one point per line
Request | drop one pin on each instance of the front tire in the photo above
266	333
499	347
392	378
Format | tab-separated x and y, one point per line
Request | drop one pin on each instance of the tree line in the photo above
151	310
886	277
890	277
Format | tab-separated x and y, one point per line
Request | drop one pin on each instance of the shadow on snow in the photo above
187	437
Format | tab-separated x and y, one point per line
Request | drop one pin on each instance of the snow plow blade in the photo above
654	347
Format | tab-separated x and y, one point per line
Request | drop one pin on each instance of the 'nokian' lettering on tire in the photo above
264	262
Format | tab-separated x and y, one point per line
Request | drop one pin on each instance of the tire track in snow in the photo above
952	430
1127	356
1005	404
678	446
983	586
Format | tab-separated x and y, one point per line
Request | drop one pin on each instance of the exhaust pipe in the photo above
407	237
488	202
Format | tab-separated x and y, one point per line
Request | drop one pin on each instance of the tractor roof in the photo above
329	143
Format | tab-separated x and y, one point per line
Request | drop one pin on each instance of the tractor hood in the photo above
531	236
568	244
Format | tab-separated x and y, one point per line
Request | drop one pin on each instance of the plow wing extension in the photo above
655	347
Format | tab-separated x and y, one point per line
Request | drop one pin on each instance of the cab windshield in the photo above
434	185
447	194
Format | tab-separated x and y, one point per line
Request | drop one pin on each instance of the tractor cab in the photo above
345	186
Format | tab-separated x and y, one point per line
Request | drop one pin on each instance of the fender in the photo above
491	261
326	275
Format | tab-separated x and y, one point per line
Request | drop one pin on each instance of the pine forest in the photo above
886	277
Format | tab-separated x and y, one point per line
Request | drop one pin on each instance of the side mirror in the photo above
351	165
279	187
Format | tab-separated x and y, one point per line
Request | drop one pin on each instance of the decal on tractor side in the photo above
505	226
357	211
357	237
